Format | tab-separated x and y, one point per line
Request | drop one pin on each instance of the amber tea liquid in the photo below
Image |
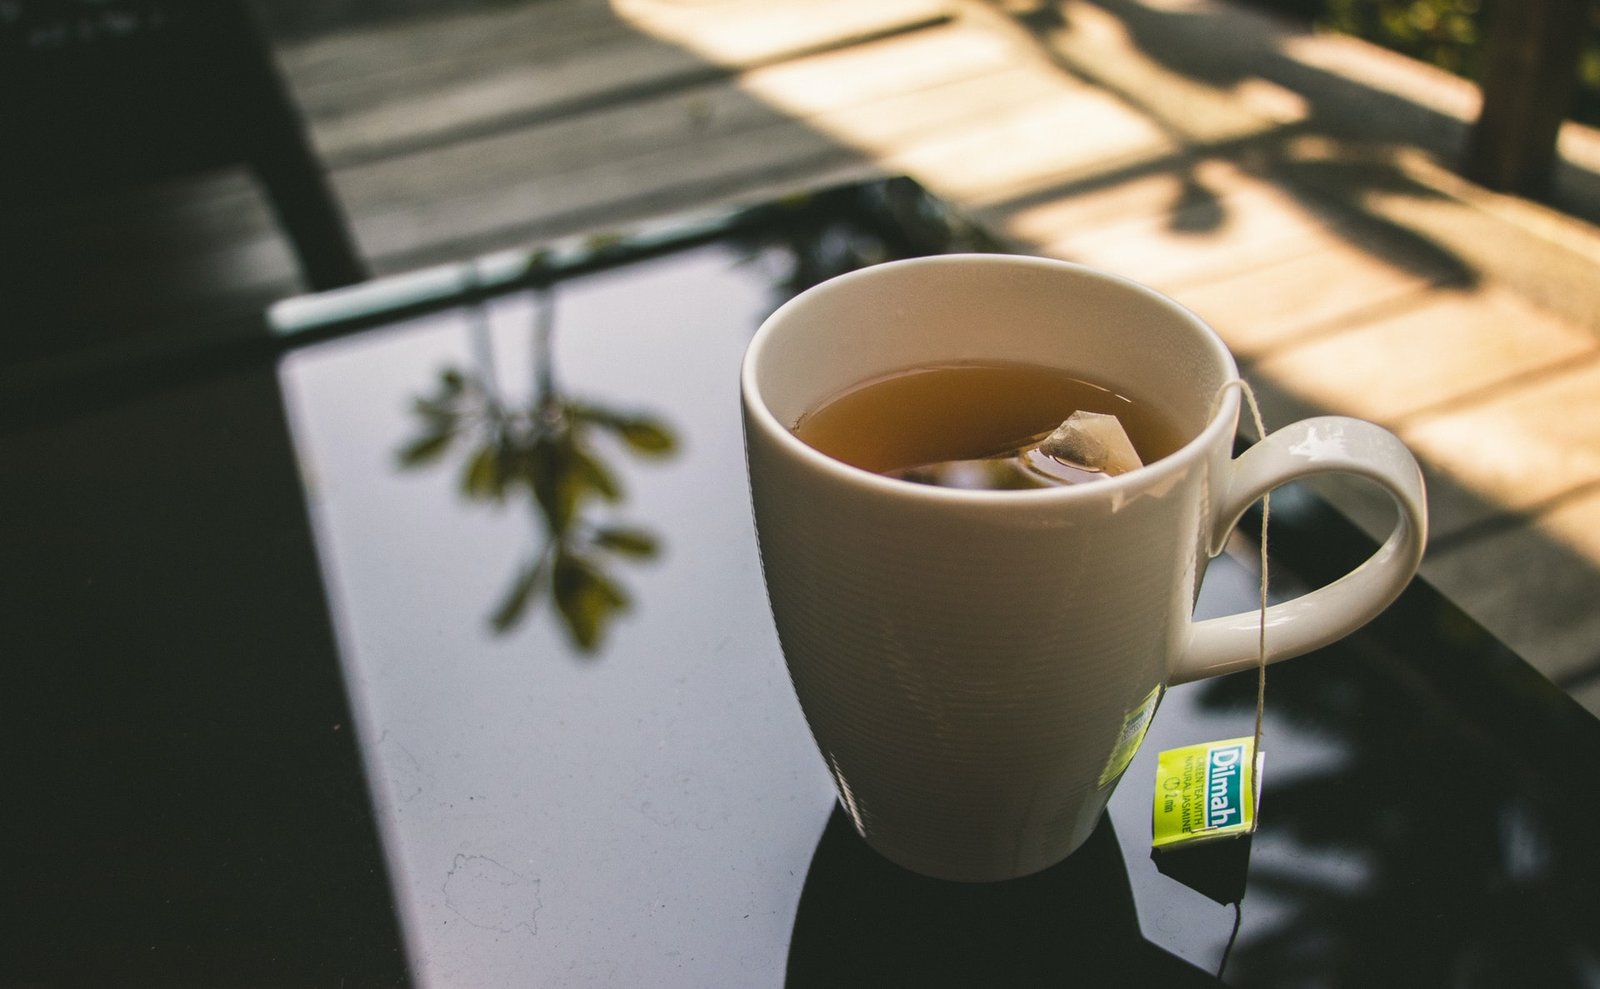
956	412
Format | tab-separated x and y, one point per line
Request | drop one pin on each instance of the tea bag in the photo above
1092	441
1087	446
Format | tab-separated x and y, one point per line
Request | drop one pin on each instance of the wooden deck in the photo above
1287	187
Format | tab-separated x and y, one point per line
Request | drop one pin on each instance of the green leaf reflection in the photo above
555	455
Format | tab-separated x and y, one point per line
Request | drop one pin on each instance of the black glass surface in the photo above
423	640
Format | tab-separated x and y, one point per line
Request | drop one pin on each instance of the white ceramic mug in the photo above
973	663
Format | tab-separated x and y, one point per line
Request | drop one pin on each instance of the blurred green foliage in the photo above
550	454
1445	33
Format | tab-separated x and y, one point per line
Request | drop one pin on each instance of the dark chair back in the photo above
97	95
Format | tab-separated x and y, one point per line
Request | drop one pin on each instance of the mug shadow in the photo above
862	920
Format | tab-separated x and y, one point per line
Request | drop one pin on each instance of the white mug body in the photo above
975	666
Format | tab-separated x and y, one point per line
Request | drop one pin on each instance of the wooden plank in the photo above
1541	254
375	92
1481	392
1021	148
1015	122
396	60
1222	222
1139	195
1451	349
1055	211
909	64
1271	307
1098	46
1523	448
743	32
461	200
515	94
542	179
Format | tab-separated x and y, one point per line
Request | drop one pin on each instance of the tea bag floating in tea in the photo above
1092	441
1087	446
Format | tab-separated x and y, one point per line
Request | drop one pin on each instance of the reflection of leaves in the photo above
639	543
643	434
485	475
562	474
442	417
585	596
594	476
515	604
425	449
646	436
545	453
549	473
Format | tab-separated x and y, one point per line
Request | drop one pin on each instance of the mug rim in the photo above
1224	416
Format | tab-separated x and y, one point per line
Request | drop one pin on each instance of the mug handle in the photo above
1327	444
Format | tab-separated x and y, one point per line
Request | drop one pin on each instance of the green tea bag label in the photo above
1134	724
1206	791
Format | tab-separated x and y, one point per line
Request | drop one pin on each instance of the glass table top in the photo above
438	653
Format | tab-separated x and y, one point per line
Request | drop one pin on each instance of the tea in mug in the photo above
976	425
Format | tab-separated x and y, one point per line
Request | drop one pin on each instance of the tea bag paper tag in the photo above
1206	792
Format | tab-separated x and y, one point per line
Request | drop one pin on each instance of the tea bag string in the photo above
1266	512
